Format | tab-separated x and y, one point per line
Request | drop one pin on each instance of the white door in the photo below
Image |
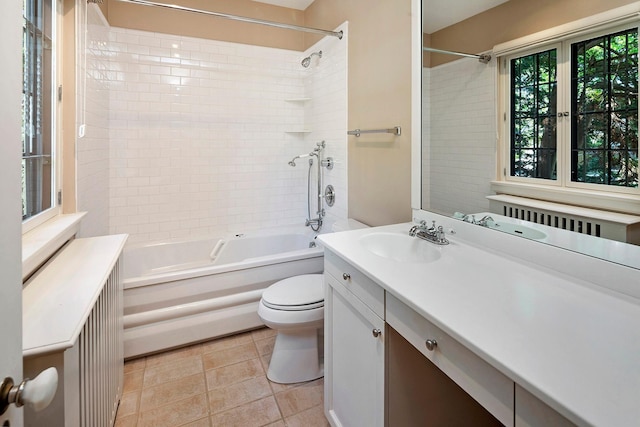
10	199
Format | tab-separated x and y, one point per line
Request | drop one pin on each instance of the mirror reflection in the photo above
563	140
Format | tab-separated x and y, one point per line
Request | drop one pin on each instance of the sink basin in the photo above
400	247
517	230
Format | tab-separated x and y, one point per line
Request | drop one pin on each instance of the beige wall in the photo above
510	20
168	21
379	83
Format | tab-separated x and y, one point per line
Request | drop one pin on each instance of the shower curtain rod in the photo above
337	34
482	58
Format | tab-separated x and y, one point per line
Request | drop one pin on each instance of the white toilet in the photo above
295	308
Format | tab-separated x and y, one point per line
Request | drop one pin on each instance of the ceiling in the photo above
439	14
291	4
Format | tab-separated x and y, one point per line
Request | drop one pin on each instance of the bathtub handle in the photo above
216	249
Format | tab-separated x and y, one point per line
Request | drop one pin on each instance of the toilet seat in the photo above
298	293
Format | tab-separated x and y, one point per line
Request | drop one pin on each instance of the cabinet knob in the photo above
376	333
431	344
346	276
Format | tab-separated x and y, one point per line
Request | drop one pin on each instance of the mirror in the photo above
459	148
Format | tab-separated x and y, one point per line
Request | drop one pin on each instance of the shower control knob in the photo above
38	392
431	344
346	276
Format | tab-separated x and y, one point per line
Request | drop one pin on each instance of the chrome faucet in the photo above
432	234
471	219
484	222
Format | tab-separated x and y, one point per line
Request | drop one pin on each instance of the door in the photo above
10	200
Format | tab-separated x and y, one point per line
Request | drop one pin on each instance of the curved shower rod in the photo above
337	34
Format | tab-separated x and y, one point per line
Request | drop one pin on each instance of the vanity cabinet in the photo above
354	346
532	412
489	387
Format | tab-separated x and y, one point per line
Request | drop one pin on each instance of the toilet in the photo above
295	308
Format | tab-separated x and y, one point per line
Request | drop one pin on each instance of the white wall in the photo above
462	137
200	135
92	101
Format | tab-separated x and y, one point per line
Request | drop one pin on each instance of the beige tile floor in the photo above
217	383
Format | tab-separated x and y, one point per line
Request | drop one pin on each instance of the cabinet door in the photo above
354	360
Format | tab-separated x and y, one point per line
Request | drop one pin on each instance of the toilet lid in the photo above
303	292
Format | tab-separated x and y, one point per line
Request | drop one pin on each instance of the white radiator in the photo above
72	320
101	356
594	222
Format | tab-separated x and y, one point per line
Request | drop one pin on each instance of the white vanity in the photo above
490	327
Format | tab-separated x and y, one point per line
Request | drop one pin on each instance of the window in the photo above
572	113
38	107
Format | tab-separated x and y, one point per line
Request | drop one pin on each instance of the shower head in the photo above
307	61
293	161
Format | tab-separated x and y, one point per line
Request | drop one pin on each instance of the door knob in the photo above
431	344
38	392
376	333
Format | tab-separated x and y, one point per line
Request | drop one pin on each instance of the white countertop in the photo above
570	343
57	300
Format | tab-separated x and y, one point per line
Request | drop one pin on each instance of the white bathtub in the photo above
181	292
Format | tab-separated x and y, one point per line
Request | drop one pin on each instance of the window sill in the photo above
617	202
44	240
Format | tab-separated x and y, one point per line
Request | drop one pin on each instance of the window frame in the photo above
624	199
40	218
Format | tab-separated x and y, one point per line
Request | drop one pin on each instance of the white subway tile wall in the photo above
201	131
92	96
462	140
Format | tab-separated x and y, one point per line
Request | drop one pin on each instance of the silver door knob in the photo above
346	276
376	333
38	392
431	344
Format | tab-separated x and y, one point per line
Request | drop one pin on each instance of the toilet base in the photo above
296	357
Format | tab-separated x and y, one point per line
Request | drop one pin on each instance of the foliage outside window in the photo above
37	107
604	93
601	141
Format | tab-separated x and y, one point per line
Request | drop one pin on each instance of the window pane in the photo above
533	115
37	109
605	103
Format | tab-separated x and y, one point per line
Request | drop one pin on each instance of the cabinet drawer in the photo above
492	389
360	285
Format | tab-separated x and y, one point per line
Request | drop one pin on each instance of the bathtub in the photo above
182	292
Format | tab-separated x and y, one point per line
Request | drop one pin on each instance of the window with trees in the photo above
573	112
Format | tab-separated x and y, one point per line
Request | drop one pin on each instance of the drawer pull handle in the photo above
431	344
346	276
376	333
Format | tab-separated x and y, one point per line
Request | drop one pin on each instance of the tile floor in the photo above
217	383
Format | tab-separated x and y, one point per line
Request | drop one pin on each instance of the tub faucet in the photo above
432	234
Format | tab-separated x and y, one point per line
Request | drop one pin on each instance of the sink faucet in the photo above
432	234
484	222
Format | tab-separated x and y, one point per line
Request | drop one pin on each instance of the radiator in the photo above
594	222
72	320
101	355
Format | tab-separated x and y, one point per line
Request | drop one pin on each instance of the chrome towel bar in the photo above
394	130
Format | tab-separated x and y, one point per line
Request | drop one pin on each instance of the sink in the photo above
517	230
400	247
